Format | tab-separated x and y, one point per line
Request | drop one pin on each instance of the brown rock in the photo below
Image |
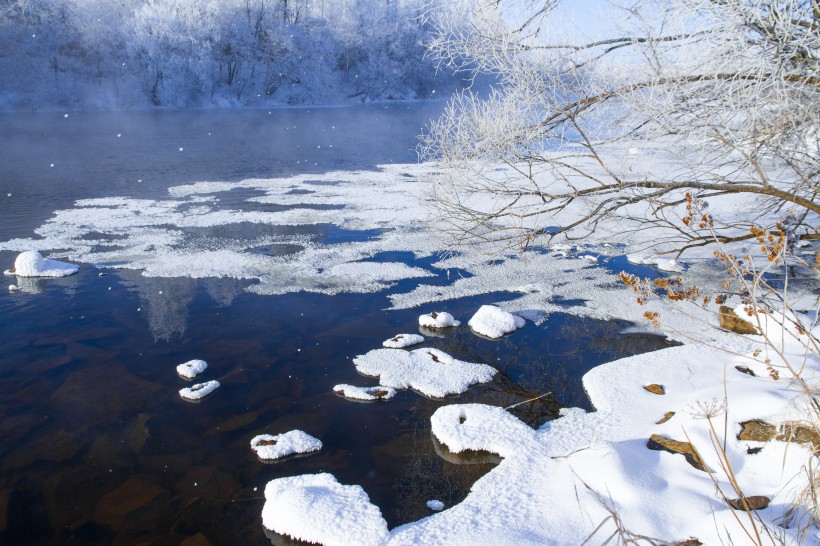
233	423
756	502
197	540
689	542
746	370
206	480
756	431
49	445
655	388
99	394
730	321
792	431
5	494
135	506
661	443
666	416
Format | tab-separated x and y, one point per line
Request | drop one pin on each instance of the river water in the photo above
96	445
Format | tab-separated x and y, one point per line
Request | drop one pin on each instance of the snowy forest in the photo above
127	54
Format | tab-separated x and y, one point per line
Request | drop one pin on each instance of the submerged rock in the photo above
135	506
661	443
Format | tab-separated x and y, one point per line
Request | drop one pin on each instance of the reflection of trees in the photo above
165	302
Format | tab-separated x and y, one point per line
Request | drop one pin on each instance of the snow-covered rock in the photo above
438	320
403	340
435	505
428	371
368	394
192	368
317	508
32	264
271	447
199	391
493	322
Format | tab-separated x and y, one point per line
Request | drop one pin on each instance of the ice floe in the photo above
492	322
295	442
403	340
31	263
429	371
438	319
317	508
199	390
368	394
13	288
192	368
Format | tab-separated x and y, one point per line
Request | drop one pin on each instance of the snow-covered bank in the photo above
557	484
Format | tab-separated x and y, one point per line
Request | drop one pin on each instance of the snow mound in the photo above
317	508
493	322
435	505
13	288
368	394
199	391
431	372
477	427
438	320
403	340
270	447
192	368
32	264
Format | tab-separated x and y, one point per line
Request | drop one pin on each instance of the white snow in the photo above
493	322
317	508
368	394
435	505
192	368
664	264
438	319
403	340
199	390
429	371
32	264
272	447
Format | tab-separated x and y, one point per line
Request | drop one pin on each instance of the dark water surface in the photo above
97	447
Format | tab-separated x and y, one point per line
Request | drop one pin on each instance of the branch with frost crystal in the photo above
714	97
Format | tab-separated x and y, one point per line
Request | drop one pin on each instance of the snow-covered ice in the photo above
192	368
490	321
438	319
429	371
31	263
317	508
403	340
368	394
199	390
271	447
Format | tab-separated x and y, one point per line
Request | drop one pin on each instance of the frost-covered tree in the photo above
711	98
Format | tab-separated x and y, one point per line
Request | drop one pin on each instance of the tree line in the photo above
199	53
